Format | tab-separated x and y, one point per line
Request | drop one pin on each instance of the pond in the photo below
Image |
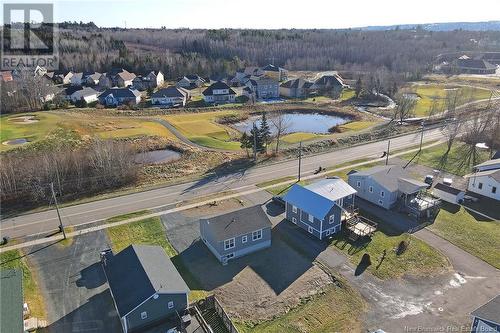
157	156
14	142
298	122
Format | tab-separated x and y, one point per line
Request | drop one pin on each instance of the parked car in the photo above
429	179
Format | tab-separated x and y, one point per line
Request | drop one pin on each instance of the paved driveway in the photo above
74	286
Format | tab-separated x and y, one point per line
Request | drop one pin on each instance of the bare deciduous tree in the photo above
281	124
405	107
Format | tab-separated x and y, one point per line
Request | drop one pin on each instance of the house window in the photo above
350	196
331	219
380	202
230	255
311	218
228	244
480	186
310	229
382	194
144	315
170	304
494	189
294	209
244	239
328	232
294	220
370	189
256	235
358	184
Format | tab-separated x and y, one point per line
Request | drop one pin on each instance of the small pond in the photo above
13	142
299	122
157	156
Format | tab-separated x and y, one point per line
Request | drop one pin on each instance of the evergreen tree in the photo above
265	133
245	142
256	139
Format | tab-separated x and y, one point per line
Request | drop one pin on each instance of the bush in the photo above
335	129
242	99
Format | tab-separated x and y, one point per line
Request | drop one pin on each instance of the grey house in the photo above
236	234
320	208
486	318
146	287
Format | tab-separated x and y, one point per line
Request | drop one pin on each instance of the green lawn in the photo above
438	91
357	125
455	164
347	94
300	136
419	259
337	309
31	291
150	231
203	129
472	234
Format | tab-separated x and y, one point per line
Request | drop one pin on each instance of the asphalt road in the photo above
42	222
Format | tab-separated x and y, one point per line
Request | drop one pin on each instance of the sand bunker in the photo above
14	142
24	120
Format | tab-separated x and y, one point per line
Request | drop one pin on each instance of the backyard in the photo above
469	231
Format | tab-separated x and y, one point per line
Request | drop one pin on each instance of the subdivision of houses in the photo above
486	318
296	88
237	233
87	94
485	179
119	96
391	187
219	92
150	80
145	286
190	81
320	208
170	96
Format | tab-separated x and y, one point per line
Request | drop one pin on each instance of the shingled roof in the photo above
171	91
138	272
216	86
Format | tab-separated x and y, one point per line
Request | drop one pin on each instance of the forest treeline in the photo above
220	52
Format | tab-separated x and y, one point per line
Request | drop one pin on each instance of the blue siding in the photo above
319	228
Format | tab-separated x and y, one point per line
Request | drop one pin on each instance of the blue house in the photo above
320	208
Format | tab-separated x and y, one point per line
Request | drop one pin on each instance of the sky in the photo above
271	14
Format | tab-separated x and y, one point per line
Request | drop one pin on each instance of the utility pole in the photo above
254	142
300	157
61	227
387	156
421	136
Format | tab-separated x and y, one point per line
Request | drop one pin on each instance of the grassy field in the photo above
357	125
419	259
31	291
301	136
437	91
337	309
150	231
83	123
203	129
432	157
460	227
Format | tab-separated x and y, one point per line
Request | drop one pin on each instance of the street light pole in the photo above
421	136
388	149
61	227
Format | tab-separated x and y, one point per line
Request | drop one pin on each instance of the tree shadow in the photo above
232	169
364	263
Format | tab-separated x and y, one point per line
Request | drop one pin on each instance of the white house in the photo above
89	95
485	180
170	96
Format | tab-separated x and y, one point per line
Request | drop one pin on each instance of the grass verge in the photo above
151	231
469	232
31	291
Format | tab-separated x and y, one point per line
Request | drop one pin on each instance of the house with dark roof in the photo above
474	66
237	233
486	318
92	79
11	300
448	193
391	186
76	79
265	87
275	72
145	285
119	96
296	88
329	82
320	208
219	92
485	179
170	96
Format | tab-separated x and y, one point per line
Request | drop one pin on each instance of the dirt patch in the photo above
250	297
24	120
214	208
